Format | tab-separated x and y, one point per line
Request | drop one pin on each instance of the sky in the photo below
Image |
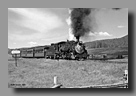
29	27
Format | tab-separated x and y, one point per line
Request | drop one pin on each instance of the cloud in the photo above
120	26
100	34
32	43
92	34
104	34
33	19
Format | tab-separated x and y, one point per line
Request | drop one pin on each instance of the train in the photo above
61	50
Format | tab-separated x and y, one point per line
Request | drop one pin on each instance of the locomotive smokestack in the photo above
77	38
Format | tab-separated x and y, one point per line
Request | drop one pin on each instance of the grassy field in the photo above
39	73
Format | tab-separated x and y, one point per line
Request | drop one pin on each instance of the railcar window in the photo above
29	51
23	52
39	50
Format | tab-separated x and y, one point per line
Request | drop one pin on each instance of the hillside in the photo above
108	43
117	46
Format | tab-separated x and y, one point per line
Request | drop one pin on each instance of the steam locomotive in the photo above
70	50
62	50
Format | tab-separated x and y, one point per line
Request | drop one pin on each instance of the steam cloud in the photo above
79	21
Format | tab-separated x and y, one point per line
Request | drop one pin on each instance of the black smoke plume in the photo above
80	21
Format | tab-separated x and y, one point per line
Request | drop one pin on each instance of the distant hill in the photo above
117	46
108	43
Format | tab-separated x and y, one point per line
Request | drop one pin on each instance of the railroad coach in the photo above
40	52
30	53
23	53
